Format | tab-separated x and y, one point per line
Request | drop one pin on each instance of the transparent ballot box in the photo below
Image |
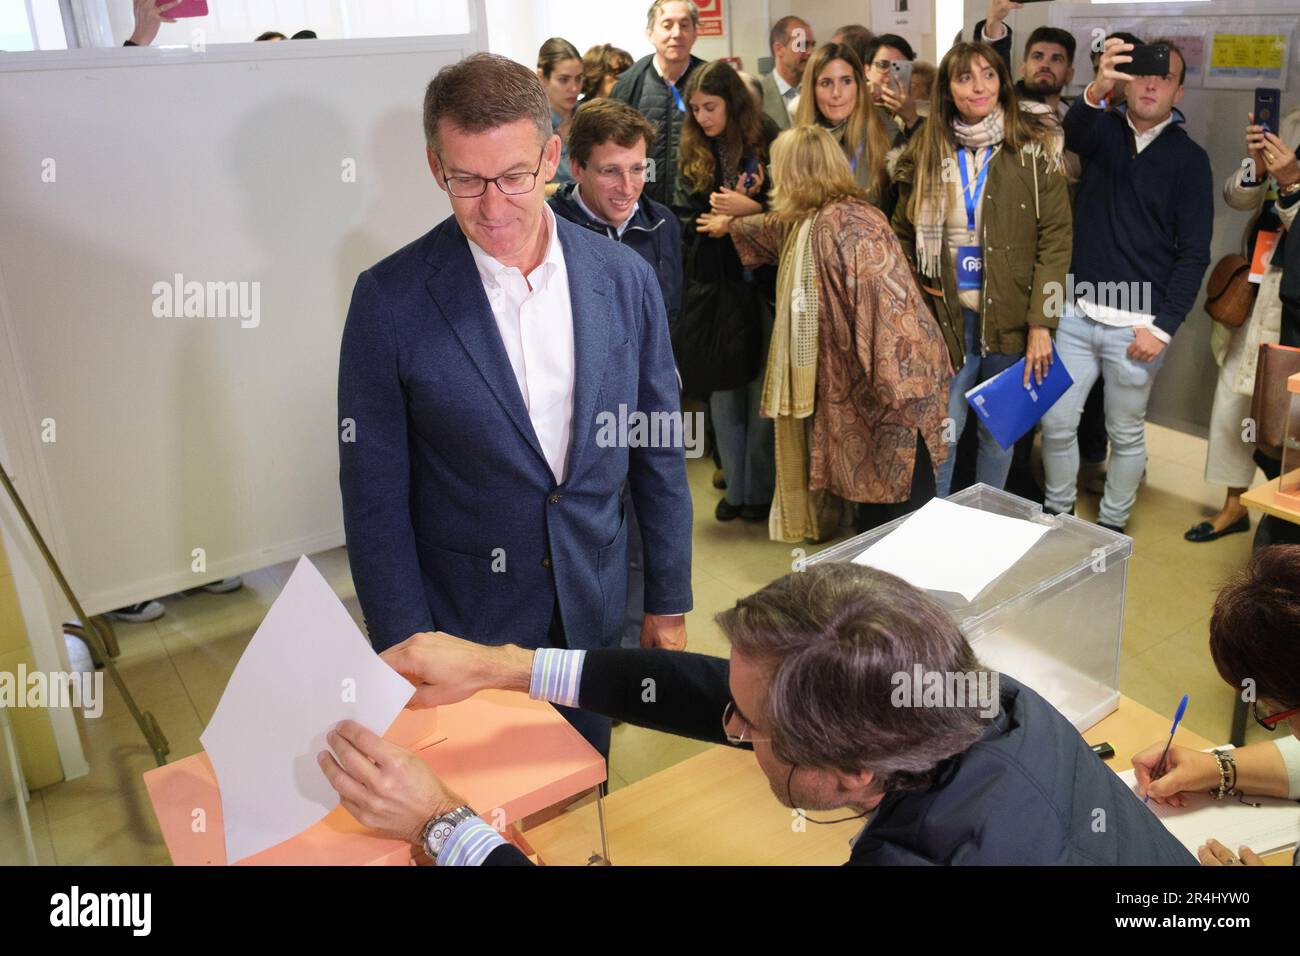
1054	619
1288	485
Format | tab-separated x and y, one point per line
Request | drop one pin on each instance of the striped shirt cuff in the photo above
470	843
557	676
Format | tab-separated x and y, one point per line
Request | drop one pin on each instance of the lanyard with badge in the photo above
677	97
970	258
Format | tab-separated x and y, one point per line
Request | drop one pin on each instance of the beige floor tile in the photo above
1159	677
119	831
148	673
1162	599
118	756
1171	445
702	634
13	849
636	752
1137	638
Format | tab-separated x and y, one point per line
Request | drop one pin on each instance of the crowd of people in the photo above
1015	210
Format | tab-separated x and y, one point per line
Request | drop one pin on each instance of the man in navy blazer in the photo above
482	368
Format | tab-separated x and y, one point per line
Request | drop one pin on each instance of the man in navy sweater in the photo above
1144	212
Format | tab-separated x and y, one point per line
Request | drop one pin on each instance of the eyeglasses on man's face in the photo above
511	184
731	715
615	174
1270	721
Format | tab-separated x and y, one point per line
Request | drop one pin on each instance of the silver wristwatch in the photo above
438	830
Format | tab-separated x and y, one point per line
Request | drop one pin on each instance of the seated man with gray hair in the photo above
841	679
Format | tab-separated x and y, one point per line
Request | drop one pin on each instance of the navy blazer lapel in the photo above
458	294
590	293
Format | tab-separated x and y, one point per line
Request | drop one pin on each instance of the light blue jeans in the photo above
993	463
1089	349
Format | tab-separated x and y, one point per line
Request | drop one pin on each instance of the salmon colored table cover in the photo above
507	755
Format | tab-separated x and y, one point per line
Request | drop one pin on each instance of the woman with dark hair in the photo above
601	67
1255	643
722	159
841	103
559	67
854	348
984	215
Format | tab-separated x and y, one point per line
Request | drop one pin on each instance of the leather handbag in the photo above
1272	402
1229	294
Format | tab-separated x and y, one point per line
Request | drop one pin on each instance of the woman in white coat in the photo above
1229	459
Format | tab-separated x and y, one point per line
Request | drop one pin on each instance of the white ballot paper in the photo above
307	668
1273	825
949	547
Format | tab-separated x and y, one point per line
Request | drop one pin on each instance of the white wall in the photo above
238	21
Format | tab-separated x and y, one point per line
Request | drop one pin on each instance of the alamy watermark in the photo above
923	688
41	690
179	299
637	429
1132	297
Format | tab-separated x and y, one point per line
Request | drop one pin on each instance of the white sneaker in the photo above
140	613
224	586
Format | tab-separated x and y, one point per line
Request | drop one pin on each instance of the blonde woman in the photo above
854	346
836	97
984	215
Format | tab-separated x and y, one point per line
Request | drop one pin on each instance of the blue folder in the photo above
1008	409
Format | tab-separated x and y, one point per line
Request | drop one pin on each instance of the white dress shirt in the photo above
536	326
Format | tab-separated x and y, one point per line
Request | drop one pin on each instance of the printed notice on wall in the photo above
1243	60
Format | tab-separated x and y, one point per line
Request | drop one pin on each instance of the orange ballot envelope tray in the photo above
507	755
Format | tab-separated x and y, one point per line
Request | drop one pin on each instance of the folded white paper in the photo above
948	547
307	668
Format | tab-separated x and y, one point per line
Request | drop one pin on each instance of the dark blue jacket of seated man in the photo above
652	233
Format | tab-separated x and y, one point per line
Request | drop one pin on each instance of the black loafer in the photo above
1205	531
726	511
755	512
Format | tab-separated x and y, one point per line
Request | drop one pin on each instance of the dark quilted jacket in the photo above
642	88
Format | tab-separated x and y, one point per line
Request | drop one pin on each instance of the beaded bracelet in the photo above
1225	789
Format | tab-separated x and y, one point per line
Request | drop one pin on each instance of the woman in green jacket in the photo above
984	215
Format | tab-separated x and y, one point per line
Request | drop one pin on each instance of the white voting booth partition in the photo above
1232	47
180	230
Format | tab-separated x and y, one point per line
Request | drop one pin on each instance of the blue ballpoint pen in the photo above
1182	709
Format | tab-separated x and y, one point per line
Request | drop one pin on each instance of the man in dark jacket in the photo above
656	86
608	147
607	153
1144	215
854	690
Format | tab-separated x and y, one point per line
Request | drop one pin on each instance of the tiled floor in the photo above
178	665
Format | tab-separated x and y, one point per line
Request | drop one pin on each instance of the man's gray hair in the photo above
657	8
484	91
832	641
